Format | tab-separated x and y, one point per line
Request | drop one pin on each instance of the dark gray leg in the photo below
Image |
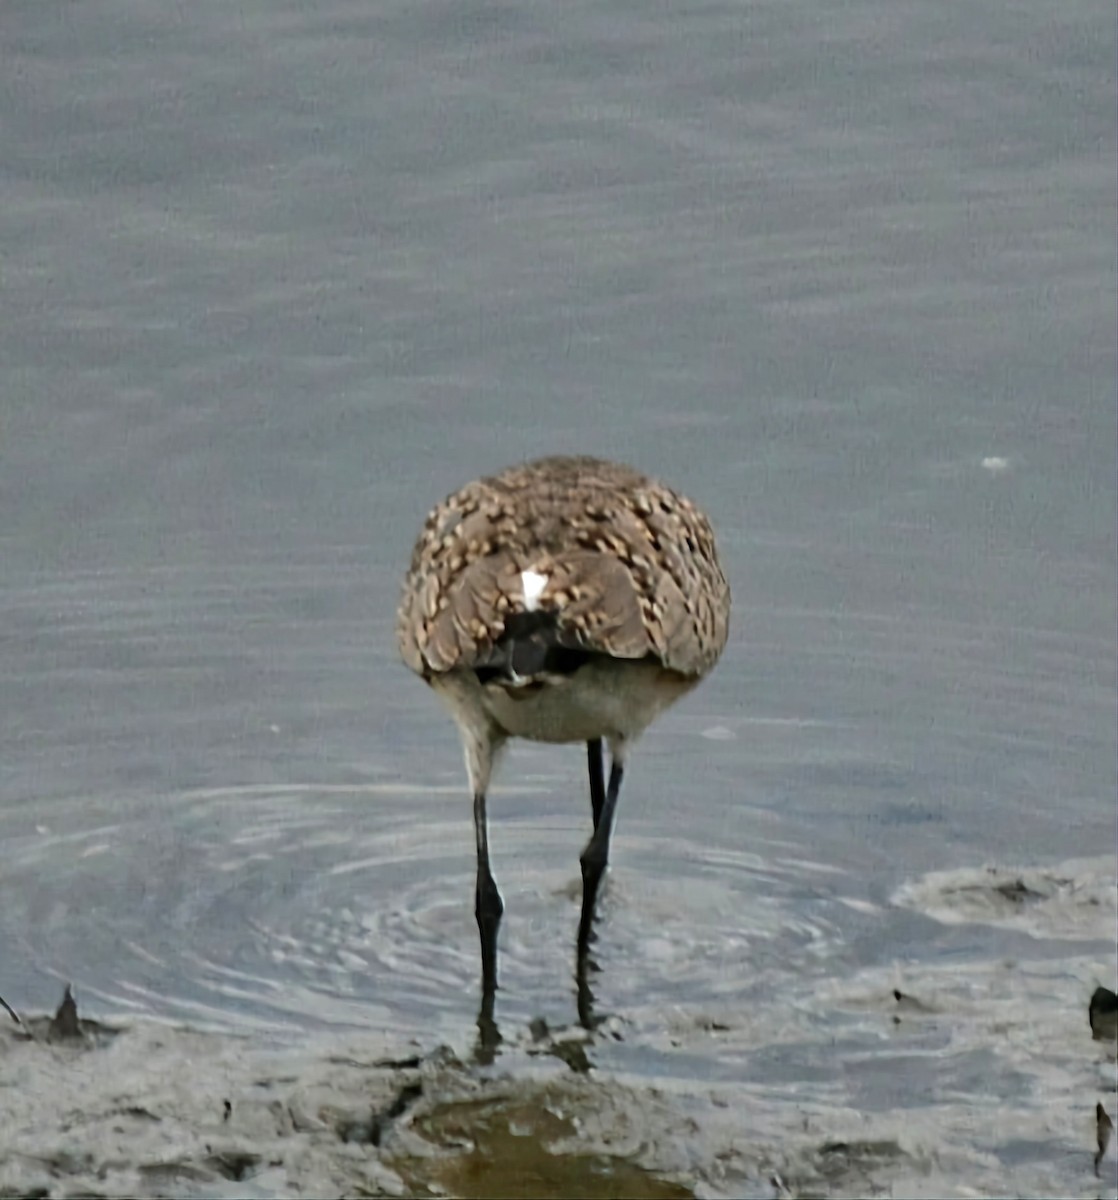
488	906
595	859
597	779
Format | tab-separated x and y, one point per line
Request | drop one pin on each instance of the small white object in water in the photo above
534	584
719	733
995	465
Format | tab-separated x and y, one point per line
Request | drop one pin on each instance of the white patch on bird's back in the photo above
534	584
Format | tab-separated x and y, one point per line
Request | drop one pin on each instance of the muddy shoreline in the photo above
111	1108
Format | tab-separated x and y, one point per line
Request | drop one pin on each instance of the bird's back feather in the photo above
630	571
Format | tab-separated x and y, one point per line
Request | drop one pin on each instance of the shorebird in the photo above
563	600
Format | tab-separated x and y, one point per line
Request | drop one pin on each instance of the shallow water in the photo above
276	279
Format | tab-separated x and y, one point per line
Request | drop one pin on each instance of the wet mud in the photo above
975	1078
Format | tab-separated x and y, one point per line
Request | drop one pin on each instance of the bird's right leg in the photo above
595	857
594	861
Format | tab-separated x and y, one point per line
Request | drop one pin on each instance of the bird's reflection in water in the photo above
488	1035
489	1039
587	1017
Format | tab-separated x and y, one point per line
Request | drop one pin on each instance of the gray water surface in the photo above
277	277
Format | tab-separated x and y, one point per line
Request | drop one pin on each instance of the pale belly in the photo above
610	699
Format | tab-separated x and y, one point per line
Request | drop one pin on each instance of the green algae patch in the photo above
526	1146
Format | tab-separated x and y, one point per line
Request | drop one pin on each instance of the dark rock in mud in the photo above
1102	1013
1104	1127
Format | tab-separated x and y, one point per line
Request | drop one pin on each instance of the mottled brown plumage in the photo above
631	568
564	600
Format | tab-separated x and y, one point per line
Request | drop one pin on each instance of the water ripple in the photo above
301	905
